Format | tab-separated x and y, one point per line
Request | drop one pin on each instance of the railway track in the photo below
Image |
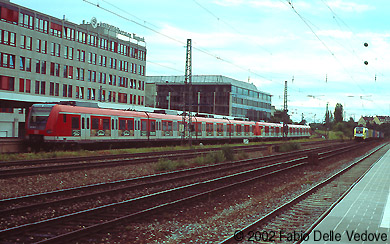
81	223
25	168
11	206
284	224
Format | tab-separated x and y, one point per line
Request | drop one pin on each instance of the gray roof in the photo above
203	79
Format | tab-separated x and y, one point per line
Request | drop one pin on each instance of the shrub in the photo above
199	160
228	153
288	147
242	155
214	157
165	164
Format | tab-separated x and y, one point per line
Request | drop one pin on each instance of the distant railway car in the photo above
363	133
55	123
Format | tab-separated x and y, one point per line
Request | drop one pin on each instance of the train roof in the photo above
109	112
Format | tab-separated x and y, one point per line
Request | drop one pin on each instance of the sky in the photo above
317	46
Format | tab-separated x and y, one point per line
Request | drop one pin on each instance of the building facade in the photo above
373	120
46	59
211	94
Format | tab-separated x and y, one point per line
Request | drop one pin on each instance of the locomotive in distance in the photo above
56	123
361	133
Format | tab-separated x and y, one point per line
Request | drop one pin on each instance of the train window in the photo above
130	124
95	124
122	124
64	118
209	127
76	123
238	128
106	124
164	125
83	123
143	125
112	124
152	125
170	126
87	123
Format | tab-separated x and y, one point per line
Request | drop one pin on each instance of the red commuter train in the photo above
56	123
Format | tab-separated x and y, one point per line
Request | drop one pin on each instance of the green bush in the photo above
242	155
215	157
165	164
228	153
199	160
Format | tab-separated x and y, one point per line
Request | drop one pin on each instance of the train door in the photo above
85	126
114	127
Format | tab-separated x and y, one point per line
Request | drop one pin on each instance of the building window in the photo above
26	20
37	87
122	97
7	38
57	89
41	25
55	49
80	55
43	87
7	60
70	87
69	33
51	91
55	29
89	91
81	36
64	90
9	15
43	67
55	69
38	66
24	85
7	83
81	93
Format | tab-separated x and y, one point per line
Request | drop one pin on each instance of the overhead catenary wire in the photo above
134	19
182	43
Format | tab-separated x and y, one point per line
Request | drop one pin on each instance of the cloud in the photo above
349	6
335	34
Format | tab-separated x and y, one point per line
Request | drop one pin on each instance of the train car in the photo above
56	123
361	133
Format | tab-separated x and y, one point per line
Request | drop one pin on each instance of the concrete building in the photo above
211	94
46	59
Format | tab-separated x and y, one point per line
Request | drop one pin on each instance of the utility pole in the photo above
188	84
285	110
327	120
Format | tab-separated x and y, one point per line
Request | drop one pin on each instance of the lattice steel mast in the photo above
188	86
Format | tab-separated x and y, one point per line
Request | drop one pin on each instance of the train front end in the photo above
38	125
360	133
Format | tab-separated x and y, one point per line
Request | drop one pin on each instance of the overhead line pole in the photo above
188	83
285	127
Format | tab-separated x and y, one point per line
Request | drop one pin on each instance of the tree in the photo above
278	117
338	113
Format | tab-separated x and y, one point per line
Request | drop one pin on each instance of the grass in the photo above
290	146
227	150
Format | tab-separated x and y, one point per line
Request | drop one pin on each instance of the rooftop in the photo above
217	79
